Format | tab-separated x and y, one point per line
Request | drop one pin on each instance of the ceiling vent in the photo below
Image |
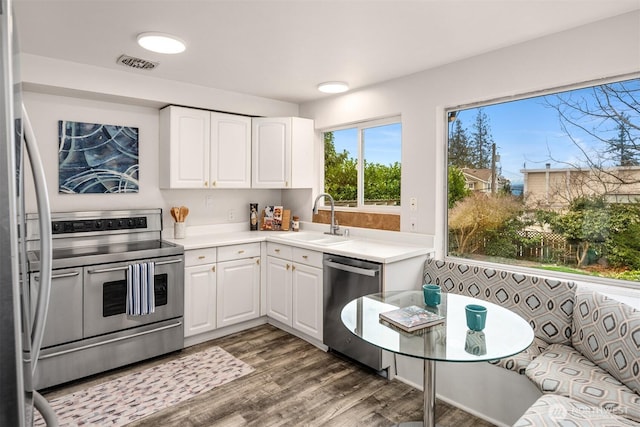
139	63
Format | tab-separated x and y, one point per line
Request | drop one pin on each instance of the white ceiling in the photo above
283	49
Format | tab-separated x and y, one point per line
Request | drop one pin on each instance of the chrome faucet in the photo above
334	228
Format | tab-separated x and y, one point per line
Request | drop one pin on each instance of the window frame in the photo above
360	126
444	248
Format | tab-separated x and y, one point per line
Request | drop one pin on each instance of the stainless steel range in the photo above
89	327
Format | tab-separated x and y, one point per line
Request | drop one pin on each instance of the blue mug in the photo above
476	316
431	295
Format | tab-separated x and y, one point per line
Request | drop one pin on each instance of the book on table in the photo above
411	318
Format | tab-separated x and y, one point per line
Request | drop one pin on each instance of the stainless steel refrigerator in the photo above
21	323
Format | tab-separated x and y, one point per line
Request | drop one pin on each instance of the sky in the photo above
382	143
527	132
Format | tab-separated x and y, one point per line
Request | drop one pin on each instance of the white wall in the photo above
606	48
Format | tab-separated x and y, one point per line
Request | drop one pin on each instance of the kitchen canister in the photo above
253	216
178	230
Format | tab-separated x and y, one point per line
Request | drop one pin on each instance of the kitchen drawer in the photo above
199	256
246	250
305	256
279	250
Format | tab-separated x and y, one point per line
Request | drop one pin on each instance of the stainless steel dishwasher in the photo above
346	279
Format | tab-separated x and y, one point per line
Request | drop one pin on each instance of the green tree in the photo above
623	244
481	141
382	182
623	149
459	149
586	224
340	173
457	188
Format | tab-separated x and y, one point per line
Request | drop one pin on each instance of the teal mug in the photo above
476	316
431	293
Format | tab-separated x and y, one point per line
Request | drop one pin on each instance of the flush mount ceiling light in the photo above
161	43
333	87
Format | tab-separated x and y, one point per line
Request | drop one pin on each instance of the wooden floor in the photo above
294	384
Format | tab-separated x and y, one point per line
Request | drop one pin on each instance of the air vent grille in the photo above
139	63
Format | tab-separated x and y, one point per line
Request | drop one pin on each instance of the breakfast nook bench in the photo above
585	358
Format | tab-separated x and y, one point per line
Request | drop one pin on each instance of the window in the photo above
362	164
549	182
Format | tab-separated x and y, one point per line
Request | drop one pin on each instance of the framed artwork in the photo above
97	158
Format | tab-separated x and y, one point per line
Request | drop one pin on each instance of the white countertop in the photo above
383	251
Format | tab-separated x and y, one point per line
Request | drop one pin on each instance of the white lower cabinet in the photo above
199	299
238	291
279	289
294	288
307	300
221	287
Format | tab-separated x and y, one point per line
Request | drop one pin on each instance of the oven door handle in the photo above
59	276
125	267
171	261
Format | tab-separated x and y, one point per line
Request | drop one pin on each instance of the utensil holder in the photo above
178	230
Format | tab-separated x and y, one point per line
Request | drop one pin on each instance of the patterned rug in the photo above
133	396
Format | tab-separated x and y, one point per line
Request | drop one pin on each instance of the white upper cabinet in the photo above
282	150
230	151
184	147
201	149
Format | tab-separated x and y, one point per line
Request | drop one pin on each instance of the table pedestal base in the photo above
429	398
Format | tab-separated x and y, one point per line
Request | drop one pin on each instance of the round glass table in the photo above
504	335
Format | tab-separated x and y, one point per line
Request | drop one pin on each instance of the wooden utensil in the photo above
175	213
184	211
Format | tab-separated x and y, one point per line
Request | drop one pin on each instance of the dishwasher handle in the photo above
352	269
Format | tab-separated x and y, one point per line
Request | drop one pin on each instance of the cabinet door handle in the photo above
241	251
201	257
277	250
213	268
258	261
304	257
288	266
293	267
206	184
213	184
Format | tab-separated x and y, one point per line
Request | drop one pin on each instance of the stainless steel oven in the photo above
105	296
88	329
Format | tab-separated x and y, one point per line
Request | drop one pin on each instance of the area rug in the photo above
133	396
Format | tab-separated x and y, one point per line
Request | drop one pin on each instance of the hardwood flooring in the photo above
294	384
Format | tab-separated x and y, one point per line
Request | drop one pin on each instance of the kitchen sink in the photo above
317	238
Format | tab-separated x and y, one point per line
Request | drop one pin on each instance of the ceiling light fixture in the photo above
333	87
161	43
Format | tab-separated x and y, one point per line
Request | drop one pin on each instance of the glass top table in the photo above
505	333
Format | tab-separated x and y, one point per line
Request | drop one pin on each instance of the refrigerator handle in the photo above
44	221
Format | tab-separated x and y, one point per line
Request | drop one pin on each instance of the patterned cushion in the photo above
554	410
545	303
520	361
562	370
608	333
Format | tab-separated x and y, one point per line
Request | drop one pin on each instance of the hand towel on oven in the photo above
140	289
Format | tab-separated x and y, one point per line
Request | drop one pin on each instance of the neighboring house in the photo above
479	180
555	188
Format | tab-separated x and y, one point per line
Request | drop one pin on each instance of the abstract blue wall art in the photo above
97	158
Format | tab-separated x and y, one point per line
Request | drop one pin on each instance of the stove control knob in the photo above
98	225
